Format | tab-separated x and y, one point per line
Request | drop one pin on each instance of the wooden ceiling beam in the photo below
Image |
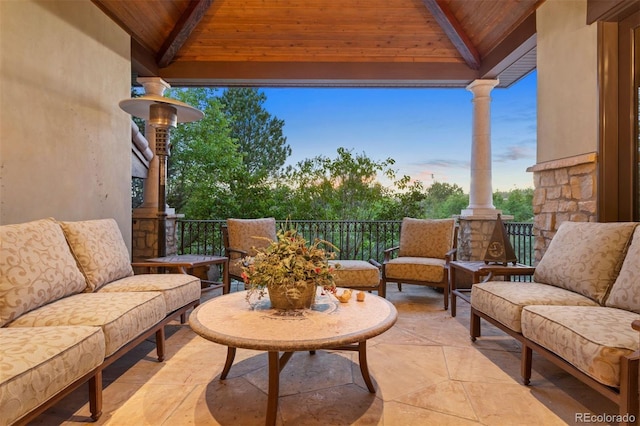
452	28
318	74
182	30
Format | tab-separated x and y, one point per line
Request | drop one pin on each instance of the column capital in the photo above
482	87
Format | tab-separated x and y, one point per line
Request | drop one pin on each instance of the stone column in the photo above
478	219
481	193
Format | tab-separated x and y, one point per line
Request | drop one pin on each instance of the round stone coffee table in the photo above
229	320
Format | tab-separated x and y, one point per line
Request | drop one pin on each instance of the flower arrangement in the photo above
290	265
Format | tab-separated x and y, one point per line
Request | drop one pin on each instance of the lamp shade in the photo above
139	107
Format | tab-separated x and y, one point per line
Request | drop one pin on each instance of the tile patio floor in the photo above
426	370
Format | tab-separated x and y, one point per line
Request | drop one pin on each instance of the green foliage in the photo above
341	188
258	134
291	264
204	159
517	202
230	164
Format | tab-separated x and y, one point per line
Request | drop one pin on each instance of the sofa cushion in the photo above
592	339
585	257
504	300
355	273
426	237
415	268
177	289
36	268
99	249
625	292
39	362
122	316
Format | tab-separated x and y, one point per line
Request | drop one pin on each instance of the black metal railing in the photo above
361	240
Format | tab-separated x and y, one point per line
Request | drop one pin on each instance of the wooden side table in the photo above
481	272
186	263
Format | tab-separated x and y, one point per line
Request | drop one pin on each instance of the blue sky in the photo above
426	131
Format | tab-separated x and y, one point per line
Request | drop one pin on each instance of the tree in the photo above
438	194
408	202
517	202
260	138
204	160
341	188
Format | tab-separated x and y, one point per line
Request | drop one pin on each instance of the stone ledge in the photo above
564	162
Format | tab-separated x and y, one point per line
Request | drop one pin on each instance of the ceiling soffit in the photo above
373	43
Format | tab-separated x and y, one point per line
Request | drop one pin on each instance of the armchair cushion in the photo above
426	237
625	293
99	250
36	268
585	257
249	234
415	268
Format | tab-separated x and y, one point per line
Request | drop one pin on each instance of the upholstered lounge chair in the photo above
242	237
423	256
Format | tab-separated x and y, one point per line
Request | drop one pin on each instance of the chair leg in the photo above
474	327
525	364
399	286
446	297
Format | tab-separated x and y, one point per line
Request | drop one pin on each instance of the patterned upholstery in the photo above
100	251
178	289
39	362
356	273
585	257
36	268
504	300
247	235
426	237
122	316
592	339
415	268
625	293
422	256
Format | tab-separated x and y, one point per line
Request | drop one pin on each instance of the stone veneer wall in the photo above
144	239
564	190
473	237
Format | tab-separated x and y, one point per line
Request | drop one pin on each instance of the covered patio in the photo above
66	152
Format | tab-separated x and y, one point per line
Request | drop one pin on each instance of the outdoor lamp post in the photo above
163	114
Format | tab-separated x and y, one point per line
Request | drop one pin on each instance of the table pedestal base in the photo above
277	363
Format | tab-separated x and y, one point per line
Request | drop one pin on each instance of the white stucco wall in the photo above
65	145
567	80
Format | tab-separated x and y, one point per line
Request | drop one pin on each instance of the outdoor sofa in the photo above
578	310
70	306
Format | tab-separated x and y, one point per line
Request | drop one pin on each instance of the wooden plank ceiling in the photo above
376	43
